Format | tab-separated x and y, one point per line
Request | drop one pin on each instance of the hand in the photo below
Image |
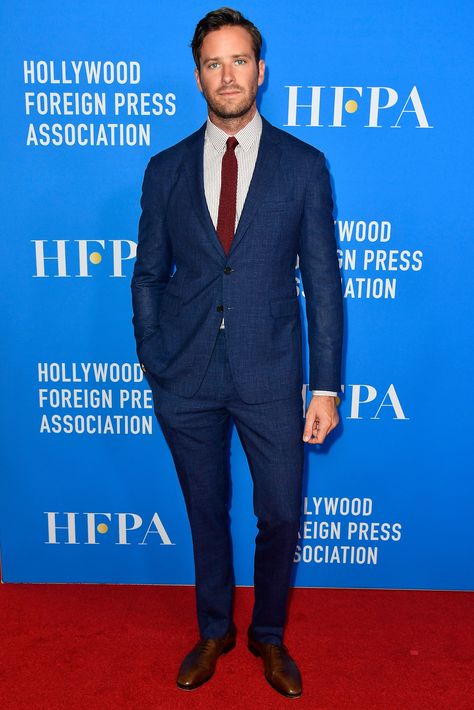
321	418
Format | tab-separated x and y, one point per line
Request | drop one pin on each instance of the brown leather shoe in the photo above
280	669
200	663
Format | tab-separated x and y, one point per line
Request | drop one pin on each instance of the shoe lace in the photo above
279	655
204	645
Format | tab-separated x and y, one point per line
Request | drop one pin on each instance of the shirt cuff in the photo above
326	393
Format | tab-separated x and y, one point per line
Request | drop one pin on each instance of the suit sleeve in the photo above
154	257
319	268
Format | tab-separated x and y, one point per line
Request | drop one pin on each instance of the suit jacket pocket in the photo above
170	303
277	205
284	307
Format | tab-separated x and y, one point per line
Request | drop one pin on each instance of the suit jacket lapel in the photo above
195	175
266	166
265	172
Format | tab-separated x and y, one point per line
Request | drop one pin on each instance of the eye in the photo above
213	65
241	61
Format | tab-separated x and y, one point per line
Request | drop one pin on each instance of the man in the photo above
232	206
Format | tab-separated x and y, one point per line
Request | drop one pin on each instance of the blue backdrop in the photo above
90	92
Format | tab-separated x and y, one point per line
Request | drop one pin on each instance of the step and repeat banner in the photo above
90	92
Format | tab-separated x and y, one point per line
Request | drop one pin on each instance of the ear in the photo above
261	72
198	79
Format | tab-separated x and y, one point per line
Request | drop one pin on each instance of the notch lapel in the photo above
265	172
195	176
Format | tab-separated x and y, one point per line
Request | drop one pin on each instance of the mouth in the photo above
228	93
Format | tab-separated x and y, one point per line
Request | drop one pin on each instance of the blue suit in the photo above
252	370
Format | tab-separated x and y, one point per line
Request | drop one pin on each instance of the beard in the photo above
224	110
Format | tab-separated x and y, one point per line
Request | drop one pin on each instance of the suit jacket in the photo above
176	317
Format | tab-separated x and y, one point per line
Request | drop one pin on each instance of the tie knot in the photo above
231	142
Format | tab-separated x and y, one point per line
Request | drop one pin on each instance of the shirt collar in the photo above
246	136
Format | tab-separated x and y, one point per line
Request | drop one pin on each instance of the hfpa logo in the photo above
74	258
122	528
378	104
366	402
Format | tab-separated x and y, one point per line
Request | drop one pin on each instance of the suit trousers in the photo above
196	430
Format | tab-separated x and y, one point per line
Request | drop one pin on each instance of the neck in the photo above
231	126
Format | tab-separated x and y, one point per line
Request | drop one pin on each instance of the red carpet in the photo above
110	647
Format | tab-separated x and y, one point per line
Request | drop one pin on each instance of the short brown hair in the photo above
223	17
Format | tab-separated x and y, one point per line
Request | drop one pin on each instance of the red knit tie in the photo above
228	196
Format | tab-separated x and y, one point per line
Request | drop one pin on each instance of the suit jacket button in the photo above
220	308
227	270
143	367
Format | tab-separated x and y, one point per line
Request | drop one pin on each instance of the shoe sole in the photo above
257	654
230	646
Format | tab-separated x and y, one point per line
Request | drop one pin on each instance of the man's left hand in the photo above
321	418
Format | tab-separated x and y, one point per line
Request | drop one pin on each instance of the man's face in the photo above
229	76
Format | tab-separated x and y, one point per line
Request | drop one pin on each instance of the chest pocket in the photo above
278	204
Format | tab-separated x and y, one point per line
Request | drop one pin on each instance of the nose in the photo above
227	73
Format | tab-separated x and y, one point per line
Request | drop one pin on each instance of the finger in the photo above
308	428
320	432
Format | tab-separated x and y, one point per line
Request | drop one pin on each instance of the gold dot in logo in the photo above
102	528
338	401
351	106
95	257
